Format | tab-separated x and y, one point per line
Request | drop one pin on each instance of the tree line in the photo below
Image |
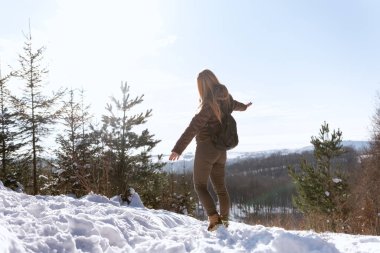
105	158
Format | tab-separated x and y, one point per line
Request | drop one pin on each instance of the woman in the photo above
209	162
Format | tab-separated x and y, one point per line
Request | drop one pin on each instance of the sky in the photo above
299	62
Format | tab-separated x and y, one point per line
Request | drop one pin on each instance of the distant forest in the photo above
265	182
261	186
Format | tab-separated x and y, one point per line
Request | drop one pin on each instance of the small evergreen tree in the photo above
36	112
73	151
131	163
8	132
84	146
100	161
322	188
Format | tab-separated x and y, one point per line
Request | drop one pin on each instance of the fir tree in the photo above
100	161
84	145
36	112
322	188
73	152
132	164
9	133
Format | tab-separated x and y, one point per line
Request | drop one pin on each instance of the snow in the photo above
337	180
95	224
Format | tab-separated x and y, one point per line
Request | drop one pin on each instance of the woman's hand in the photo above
173	156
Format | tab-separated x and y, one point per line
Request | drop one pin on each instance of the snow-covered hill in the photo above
97	224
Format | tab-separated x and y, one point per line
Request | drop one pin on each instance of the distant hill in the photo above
186	161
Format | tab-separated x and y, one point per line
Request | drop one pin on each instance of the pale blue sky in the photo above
299	62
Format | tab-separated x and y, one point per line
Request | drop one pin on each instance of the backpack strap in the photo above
226	107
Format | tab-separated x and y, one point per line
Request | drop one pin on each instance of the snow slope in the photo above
97	224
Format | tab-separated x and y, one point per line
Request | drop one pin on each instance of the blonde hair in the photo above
206	87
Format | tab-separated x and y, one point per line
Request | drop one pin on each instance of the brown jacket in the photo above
199	125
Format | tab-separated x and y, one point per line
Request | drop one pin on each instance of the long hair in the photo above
211	91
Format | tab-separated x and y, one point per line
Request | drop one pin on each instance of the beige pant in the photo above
209	162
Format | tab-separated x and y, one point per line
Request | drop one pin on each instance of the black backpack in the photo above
224	136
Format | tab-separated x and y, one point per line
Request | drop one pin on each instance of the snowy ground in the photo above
97	224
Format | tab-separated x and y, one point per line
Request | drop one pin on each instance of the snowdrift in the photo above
97	224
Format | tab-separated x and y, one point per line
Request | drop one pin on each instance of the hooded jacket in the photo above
205	118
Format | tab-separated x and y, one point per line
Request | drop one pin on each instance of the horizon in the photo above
232	154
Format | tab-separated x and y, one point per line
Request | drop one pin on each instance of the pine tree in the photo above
36	112
321	186
73	152
132	164
100	161
9	133
84	145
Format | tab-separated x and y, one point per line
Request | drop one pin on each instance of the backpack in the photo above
225	136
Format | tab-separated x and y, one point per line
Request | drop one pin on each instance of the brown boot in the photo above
214	222
224	221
